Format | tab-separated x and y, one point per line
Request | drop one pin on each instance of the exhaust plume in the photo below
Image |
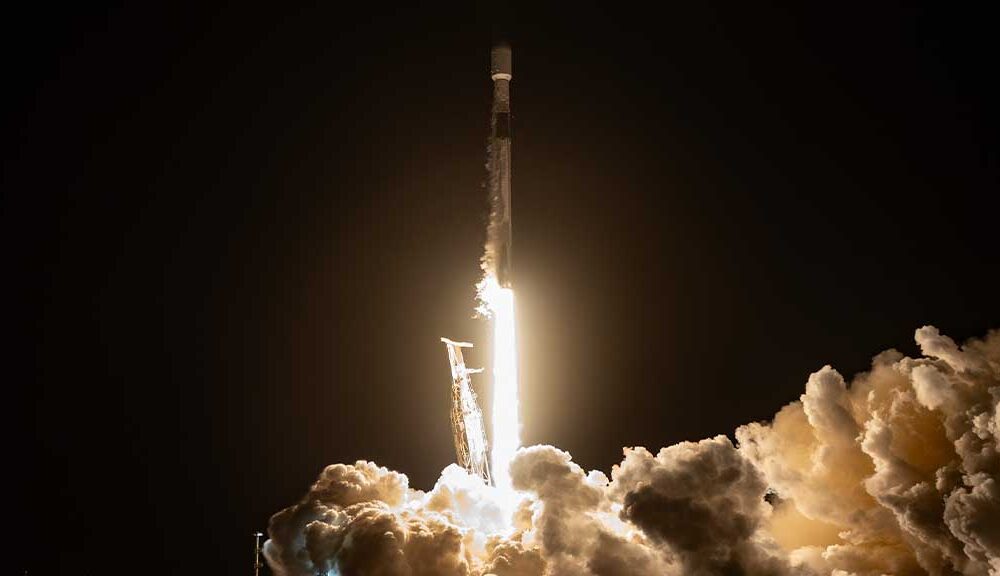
895	472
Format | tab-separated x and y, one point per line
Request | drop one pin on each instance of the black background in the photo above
235	236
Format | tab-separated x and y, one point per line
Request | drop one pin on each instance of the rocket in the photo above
499	163
467	423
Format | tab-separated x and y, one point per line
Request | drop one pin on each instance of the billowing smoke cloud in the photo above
894	473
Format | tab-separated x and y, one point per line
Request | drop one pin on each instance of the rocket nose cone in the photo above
500	59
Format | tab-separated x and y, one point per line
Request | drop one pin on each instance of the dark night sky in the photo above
236	235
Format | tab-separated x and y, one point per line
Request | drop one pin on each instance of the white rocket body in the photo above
499	162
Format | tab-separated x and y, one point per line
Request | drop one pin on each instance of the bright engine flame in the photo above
498	302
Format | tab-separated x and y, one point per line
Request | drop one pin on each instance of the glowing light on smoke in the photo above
892	473
498	303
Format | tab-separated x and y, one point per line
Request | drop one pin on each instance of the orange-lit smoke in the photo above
895	472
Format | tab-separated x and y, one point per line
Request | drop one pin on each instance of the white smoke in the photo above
896	473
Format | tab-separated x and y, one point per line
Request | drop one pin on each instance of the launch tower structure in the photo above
467	425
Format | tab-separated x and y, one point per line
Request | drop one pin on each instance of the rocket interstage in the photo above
500	165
